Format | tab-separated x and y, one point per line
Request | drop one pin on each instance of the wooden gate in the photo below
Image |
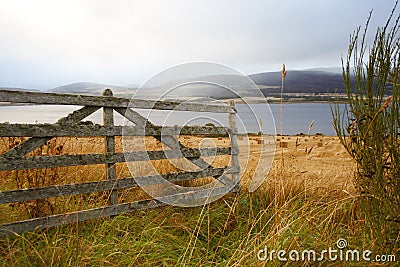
16	158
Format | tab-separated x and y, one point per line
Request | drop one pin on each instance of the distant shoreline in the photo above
264	100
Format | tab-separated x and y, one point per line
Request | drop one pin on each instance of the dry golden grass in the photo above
318	168
307	201
320	163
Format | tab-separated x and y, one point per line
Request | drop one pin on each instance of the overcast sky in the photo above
48	43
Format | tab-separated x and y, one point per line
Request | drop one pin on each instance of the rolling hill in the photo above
300	81
90	88
310	81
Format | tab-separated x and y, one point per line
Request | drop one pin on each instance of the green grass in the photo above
228	232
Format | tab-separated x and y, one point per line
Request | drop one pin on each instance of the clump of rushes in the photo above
368	126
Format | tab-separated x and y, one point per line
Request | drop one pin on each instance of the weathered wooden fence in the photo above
40	134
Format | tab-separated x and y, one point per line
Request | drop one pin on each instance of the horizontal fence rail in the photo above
113	102
99	186
36	162
56	130
15	158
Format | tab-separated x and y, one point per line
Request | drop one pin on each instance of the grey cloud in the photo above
122	42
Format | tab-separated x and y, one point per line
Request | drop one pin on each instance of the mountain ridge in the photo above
300	81
314	81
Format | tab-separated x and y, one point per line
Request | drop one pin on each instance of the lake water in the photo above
296	117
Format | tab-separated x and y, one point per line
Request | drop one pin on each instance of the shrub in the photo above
368	126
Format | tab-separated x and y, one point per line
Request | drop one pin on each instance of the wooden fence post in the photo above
108	120
235	146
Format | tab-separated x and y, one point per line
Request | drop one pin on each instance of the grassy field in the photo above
307	202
